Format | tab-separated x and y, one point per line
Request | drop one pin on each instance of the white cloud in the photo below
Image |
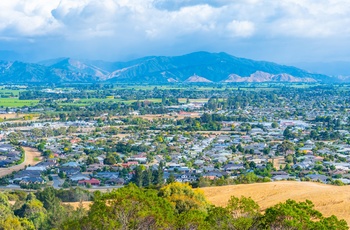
27	18
241	28
136	24
297	18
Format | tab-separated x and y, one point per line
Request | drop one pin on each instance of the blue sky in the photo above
283	31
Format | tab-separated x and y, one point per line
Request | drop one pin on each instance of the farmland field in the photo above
15	102
84	102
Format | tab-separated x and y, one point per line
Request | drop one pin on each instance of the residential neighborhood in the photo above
213	142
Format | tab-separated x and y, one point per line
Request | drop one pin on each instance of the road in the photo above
29	159
57	182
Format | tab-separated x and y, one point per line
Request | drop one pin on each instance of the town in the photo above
103	136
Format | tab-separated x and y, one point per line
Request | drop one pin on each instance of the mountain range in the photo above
193	67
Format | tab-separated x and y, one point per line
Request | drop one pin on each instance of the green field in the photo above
9	93
15	102
85	102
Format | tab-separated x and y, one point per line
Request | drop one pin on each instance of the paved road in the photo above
57	182
29	159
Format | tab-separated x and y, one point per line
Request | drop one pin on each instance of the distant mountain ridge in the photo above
193	67
259	76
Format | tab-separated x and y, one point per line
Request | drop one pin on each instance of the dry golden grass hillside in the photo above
328	199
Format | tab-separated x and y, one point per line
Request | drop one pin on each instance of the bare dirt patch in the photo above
17	116
328	199
75	205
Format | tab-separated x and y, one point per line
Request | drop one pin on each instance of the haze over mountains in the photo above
193	67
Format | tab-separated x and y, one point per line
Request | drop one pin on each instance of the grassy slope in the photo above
330	200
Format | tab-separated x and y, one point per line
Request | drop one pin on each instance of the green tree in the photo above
274	125
138	176
245	212
171	178
299	215
109	160
287	133
183	197
129	207
285	146
33	210
147	178
159	175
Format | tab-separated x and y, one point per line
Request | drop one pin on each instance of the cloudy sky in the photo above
284	31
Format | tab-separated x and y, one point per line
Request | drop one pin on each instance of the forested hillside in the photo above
173	206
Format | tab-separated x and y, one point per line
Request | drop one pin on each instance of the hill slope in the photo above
215	67
328	199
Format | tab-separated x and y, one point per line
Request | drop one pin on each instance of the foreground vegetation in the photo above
173	206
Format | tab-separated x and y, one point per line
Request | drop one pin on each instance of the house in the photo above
233	167
6	148
5	163
79	177
93	181
36	168
282	177
46	164
185	178
107	175
214	174
71	164
129	164
115	181
142	158
69	171
94	167
32	180
317	177
25	174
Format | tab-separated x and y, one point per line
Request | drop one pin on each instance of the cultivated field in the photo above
15	102
328	199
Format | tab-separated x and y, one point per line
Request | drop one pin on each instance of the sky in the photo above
283	31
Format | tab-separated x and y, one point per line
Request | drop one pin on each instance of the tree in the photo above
287	133
240	148
193	219
285	146
147	178
302	215
159	175
34	211
56	213
183	197
129	207
219	218
7	218
109	160
266	150
274	125
289	159
138	177
171	179
245	212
